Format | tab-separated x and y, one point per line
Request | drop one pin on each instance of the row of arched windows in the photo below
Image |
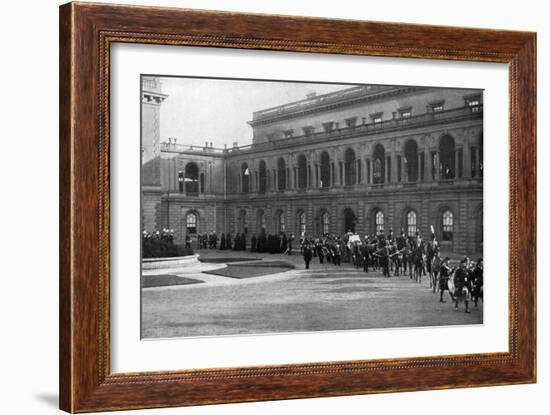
323	223
446	163
447	222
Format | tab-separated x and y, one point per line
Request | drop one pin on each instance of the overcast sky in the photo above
217	110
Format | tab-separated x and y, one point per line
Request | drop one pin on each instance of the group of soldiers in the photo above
210	241
464	283
401	255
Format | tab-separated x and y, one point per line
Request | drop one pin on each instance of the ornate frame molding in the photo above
86	33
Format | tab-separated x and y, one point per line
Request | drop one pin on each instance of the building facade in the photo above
363	159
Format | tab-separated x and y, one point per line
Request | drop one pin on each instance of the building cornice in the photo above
324	103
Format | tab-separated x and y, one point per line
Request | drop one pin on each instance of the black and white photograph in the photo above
284	207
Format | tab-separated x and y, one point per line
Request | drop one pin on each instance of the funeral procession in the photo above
338	207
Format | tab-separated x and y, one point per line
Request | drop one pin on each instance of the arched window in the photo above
301	223
379	221
261	220
263	177
281	224
243	225
447	157
325	169
325	222
245	178
191	178
349	220
378	170
411	223
191	223
447	225
411	161
302	172
281	174
350	167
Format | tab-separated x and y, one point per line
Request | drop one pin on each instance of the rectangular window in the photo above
474	102
328	126
376	117
308	131
436	106
474	105
351	122
289	133
405	112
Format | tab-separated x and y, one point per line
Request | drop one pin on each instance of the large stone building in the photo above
365	159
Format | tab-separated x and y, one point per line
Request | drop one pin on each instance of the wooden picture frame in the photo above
86	33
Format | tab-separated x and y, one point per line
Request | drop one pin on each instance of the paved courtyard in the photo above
287	299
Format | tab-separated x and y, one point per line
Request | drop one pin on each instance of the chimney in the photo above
311	94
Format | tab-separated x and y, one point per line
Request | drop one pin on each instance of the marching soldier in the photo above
319	248
365	255
401	243
446	273
430	254
337	253
463	285
308	253
477	282
383	255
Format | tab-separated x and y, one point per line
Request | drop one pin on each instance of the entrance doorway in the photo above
349	220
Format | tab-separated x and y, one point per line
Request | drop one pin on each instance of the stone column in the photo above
331	174
476	161
467	161
456	163
420	167
317	176
428	165
393	167
371	170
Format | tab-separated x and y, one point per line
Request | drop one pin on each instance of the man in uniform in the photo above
319	249
401	242
431	248
446	273
477	276
463	285
307	252
337	253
